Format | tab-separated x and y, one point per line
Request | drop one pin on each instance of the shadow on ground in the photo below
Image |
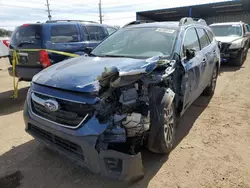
230	68
33	165
9	105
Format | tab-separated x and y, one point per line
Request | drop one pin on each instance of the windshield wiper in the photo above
123	56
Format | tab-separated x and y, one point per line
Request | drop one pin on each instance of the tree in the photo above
5	33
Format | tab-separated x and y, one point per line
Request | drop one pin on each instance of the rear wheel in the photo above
209	91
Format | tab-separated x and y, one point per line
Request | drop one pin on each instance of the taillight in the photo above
44	58
6	42
25	25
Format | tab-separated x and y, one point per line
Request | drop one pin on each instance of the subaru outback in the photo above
129	92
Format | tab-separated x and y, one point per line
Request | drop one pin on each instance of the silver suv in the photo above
235	41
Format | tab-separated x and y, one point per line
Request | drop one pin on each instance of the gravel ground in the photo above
212	149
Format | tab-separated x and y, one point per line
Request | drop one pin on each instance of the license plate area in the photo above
23	58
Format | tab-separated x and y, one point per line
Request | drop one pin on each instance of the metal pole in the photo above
48	10
100	11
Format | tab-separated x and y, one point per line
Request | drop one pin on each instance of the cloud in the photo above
17	12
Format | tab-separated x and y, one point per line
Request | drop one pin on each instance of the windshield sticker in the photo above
235	25
163	30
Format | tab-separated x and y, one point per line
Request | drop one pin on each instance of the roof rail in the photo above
189	20
54	21
138	22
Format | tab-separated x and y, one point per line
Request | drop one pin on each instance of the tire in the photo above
239	59
209	90
165	126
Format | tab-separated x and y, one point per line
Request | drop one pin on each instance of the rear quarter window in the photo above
210	35
27	36
95	33
111	30
64	34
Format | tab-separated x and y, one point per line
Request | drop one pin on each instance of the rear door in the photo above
209	53
27	36
191	86
63	37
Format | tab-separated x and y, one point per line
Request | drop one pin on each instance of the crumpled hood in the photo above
228	39
80	73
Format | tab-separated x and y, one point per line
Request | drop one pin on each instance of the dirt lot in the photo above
212	149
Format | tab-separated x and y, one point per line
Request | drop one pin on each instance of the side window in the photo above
111	30
204	41
85	33
64	33
210	36
191	40
96	33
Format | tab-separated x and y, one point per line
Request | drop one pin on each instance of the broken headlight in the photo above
236	44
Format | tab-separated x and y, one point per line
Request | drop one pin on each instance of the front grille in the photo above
225	48
70	114
59	142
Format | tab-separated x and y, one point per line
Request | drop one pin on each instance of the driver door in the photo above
191	83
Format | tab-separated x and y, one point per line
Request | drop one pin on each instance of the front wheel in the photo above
239	59
165	125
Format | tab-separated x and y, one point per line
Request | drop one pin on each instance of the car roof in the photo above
65	22
155	24
168	24
226	23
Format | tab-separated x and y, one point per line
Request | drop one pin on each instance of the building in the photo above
228	11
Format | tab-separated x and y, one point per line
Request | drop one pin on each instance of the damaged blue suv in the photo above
129	92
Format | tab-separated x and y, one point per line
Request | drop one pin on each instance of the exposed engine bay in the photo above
126	100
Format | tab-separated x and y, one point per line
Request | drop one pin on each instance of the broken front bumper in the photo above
109	163
227	54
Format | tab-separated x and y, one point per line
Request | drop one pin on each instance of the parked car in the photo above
130	91
235	41
67	36
4	47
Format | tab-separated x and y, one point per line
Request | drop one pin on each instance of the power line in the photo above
49	15
100	11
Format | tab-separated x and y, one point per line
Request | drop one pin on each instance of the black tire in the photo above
209	90
239	60
165	127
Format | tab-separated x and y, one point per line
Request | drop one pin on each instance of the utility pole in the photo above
48	10
100	11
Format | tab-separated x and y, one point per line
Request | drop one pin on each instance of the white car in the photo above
4	46
235	41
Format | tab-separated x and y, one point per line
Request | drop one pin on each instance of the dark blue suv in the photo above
130	91
70	36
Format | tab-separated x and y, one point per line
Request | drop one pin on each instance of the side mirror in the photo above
88	50
190	53
247	34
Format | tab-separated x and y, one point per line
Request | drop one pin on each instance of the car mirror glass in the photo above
88	50
247	34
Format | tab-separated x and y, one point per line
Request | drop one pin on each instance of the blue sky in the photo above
16	12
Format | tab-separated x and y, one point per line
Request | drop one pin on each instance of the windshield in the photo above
227	30
138	43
